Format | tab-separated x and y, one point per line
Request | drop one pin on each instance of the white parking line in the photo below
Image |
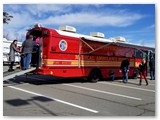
136	82
61	101
103	92
98	90
126	86
142	83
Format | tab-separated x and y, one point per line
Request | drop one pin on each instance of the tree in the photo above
6	17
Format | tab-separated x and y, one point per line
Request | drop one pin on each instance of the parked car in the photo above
6	49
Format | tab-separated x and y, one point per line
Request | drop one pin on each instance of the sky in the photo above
135	22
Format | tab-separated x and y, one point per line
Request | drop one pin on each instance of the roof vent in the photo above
97	34
67	28
121	39
4	39
37	25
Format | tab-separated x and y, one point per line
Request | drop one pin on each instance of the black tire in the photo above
95	76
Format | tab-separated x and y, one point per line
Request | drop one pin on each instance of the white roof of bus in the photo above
104	40
85	36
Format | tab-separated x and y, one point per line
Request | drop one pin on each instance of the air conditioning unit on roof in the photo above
4	39
67	28
97	34
121	39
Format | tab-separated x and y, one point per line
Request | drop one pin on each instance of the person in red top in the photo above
142	70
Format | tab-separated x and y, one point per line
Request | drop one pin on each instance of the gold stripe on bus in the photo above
85	63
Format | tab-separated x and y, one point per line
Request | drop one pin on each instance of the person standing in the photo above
13	49
35	50
27	47
125	66
111	74
152	68
142	70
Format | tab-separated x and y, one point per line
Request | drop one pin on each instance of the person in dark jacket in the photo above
142	71
27	47
13	49
152	68
111	74
125	66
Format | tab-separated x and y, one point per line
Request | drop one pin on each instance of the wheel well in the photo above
95	69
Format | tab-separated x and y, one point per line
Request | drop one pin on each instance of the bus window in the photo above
144	54
45	33
151	55
139	54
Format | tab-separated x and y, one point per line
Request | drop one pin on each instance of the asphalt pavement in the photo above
49	96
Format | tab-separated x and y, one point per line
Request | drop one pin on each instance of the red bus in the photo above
64	53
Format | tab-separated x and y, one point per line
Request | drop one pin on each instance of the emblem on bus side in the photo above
63	45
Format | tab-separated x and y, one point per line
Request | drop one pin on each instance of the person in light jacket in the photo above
13	49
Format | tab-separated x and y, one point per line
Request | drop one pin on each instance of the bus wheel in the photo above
95	75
